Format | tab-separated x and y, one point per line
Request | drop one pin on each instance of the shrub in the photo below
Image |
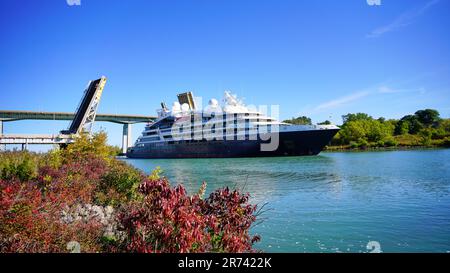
20	165
354	144
30	222
442	142
390	142
87	145
380	143
169	220
234	217
425	135
119	184
362	143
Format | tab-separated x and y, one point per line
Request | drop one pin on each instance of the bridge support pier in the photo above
126	137
2	146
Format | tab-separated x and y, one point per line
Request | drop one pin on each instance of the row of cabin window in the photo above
213	130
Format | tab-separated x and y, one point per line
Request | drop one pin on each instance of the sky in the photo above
319	58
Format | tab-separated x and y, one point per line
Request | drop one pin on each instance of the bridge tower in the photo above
87	109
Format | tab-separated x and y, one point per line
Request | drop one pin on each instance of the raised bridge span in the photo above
82	120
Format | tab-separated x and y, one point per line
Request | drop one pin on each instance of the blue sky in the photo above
319	58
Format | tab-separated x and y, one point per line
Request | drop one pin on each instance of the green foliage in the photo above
371	130
20	165
445	125
402	128
355	117
424	128
362	143
86	145
354	144
425	135
119	184
352	131
53	158
156	173
390	142
413	124
303	120
326	122
115	150
427	117
408	124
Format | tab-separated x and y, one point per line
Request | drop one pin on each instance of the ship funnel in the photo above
188	98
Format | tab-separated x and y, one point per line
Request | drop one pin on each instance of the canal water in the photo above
393	201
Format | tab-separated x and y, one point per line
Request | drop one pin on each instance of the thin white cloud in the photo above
341	101
379	89
403	20
388	90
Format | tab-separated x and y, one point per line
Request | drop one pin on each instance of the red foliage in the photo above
169	220
30	221
75	181
30	213
234	217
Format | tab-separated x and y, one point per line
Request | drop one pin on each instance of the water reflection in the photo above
264	178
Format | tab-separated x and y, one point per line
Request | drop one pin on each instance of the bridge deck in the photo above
35	139
21	115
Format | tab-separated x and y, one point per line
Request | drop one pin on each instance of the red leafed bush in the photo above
169	220
30	221
30	211
233	218
75	181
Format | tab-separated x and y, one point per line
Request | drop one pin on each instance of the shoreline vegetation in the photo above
422	130
343	149
83	199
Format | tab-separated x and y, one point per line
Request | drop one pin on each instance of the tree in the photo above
352	131
303	120
427	117
361	128
85	144
401	128
326	122
412	123
354	117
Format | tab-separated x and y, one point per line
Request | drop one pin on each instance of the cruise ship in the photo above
229	129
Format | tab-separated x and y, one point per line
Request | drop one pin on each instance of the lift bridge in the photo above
82	121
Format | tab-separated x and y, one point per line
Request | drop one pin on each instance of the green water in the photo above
335	202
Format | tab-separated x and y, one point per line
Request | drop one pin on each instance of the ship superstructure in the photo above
230	129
